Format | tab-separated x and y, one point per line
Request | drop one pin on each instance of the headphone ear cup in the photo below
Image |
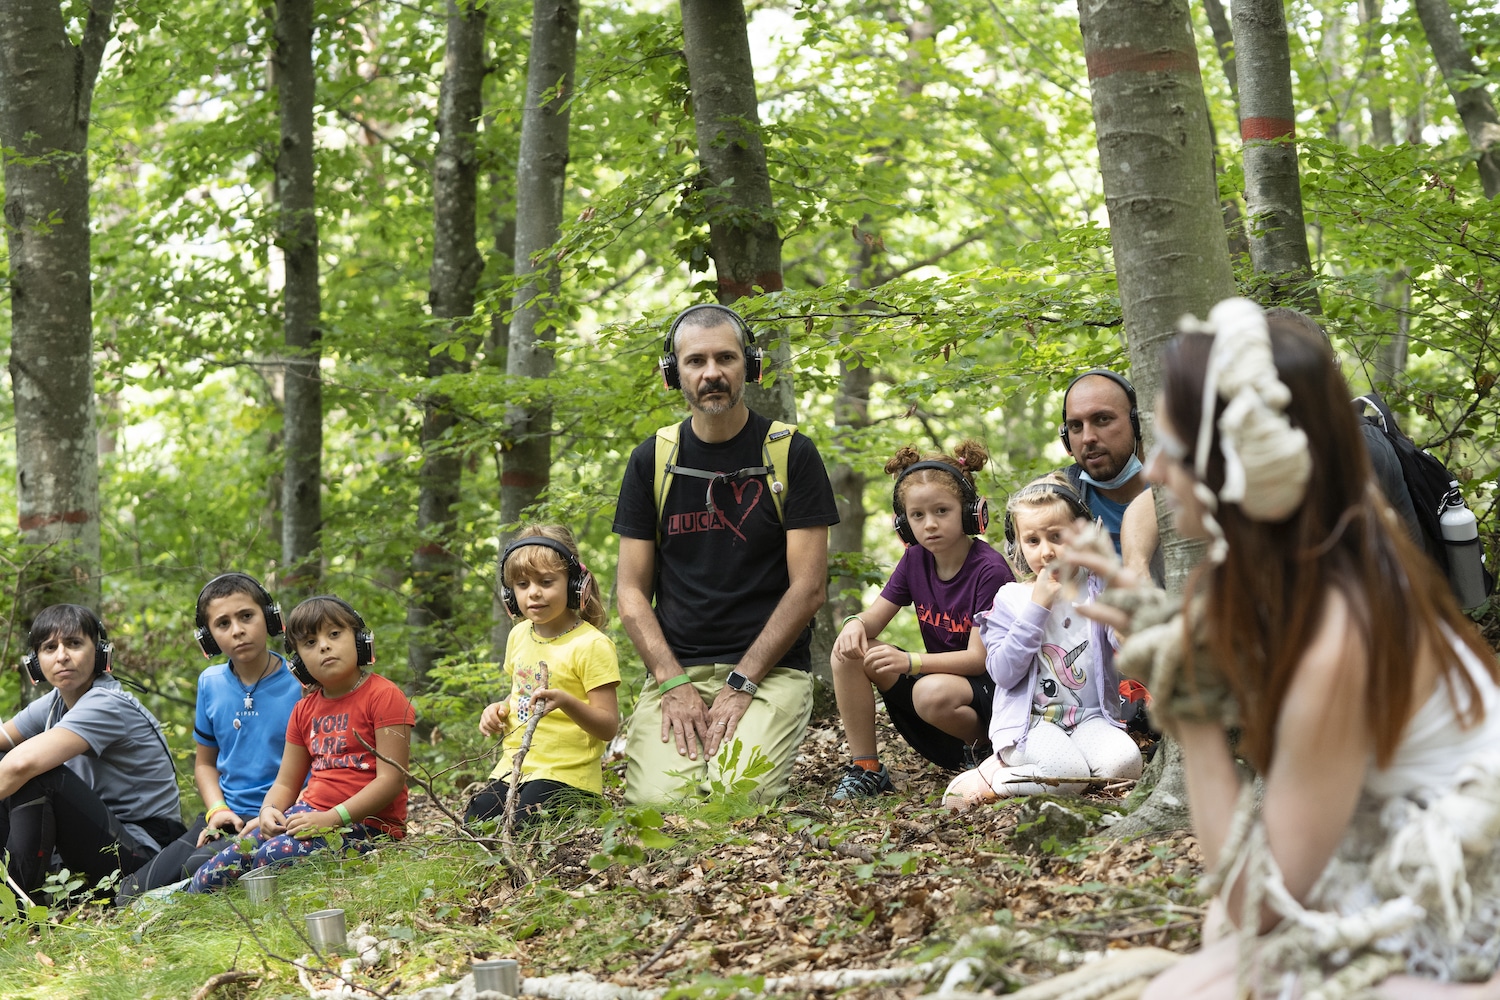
977	517
275	625
206	641
104	654
670	377
755	364
364	647
1062	432
33	664
508	598
903	529
578	579
299	670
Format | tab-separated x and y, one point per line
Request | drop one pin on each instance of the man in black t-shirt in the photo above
735	582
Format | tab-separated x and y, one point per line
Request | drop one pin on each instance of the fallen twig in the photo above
670	943
223	979
844	849
432	795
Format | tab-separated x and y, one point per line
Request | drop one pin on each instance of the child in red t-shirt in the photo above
348	739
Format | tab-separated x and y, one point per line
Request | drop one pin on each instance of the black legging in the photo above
177	861
58	811
489	803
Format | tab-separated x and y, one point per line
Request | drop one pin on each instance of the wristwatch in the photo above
741	683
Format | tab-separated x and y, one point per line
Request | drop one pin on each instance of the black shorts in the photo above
942	749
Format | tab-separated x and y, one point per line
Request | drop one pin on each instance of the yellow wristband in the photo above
914	663
215	809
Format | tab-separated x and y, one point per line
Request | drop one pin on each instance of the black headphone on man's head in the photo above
976	509
104	650
364	644
1077	504
754	356
578	577
268	606
1117	379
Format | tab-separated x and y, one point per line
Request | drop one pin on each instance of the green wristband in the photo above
343	812
673	682
851	618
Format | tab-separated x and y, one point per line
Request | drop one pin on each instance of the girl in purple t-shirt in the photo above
938	699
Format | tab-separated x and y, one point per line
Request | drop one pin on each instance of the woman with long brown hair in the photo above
1366	705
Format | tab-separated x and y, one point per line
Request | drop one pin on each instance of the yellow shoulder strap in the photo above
775	452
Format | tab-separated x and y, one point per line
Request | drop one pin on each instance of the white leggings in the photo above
1096	749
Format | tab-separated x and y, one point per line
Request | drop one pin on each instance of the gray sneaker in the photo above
857	783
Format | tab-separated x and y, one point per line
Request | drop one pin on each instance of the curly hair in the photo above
968	458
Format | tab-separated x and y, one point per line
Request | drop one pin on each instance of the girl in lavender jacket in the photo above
1056	691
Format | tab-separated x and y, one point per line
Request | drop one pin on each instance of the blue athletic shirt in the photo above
250	755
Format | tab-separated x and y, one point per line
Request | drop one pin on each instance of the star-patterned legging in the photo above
256	850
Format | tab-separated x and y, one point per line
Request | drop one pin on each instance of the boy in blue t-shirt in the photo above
239	726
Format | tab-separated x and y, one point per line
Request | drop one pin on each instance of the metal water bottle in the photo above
1461	538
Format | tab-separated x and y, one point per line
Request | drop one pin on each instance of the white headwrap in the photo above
1266	461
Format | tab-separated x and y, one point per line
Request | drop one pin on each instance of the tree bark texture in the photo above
540	175
1273	191
1156	157
1471	99
296	193
456	266
743	236
1218	23
1382	129
46	92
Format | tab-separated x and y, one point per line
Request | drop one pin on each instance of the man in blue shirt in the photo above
1102	432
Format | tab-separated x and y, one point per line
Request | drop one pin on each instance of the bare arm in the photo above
206	776
855	635
1139	535
37	755
683	713
807	589
295	763
393	752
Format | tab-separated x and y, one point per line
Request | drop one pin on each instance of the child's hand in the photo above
313	824
888	661
553	698
495	718
1047	586
851	643
225	820
272	820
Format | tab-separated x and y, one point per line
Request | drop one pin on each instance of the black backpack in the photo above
1432	487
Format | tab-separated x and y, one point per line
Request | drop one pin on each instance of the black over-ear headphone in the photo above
364	644
754	356
268	607
578	577
976	509
1117	379
1077	504
104	650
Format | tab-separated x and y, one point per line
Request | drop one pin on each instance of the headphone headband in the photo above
754	356
976	510
364	642
1075	502
1117	379
104	649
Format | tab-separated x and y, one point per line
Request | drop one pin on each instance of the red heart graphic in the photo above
739	499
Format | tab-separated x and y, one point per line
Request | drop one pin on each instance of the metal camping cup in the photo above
327	930
498	975
260	885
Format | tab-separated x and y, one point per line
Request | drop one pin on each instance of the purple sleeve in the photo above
1011	641
897	589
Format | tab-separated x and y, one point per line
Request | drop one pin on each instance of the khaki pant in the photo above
775	723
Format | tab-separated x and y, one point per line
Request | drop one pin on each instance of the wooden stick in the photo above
223	979
538	709
676	936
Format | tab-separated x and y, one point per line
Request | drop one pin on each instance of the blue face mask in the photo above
1132	469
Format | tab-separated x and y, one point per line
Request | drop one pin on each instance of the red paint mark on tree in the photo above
36	521
432	550
769	281
522	480
1125	59
1267	128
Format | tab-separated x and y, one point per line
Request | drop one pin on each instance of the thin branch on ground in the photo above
432	795
223	979
301	967
669	944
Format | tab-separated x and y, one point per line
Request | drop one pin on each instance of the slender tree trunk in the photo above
743	237
296	192
46	93
1470	98
1171	256
1382	130
456	266
1218	23
1273	192
540	175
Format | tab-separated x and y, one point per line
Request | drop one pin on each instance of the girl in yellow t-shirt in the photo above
561	665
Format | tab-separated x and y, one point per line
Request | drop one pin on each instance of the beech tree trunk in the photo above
46	93
456	266
1470	98
540	175
1273	192
1171	255
1218	23
296	193
1382	129
736	181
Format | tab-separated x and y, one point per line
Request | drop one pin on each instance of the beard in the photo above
714	407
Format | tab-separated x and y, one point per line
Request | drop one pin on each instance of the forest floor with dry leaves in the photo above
814	885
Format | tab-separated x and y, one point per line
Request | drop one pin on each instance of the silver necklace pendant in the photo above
249	701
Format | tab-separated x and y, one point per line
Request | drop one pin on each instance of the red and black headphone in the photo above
578	576
1117	379
104	650
268	607
364	642
976	509
754	356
